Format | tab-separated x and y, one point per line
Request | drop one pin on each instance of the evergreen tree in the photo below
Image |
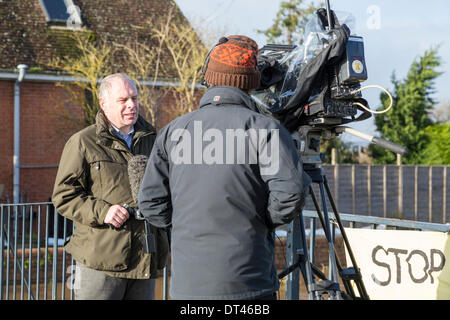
437	151
289	24
405	122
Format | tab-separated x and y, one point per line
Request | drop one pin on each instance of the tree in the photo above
90	60
145	59
289	24
172	52
142	61
176	54
186	54
406	121
437	151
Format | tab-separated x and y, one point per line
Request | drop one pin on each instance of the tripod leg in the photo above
348	288
333	267
292	244
309	280
327	235
359	283
347	284
297	256
349	274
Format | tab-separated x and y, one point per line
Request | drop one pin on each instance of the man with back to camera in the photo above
224	176
92	187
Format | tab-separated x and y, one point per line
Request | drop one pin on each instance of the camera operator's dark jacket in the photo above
93	176
223	215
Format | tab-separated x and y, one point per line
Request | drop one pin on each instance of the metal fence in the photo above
35	265
416	193
348	221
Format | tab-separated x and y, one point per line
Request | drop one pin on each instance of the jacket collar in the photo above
106	134
224	95
103	125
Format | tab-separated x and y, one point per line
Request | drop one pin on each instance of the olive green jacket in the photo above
92	176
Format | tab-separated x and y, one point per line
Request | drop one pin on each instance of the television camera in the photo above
314	89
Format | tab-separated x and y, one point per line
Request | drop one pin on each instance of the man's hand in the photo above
116	215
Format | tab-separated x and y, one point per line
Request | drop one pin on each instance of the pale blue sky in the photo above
395	33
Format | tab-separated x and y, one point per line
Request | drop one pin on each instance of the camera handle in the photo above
391	146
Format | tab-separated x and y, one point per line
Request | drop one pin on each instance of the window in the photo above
61	13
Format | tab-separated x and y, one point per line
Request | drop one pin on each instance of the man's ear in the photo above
102	103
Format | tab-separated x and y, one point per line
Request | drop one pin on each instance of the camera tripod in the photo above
300	257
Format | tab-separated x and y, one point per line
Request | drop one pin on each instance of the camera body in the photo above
344	79
314	87
318	81
352	67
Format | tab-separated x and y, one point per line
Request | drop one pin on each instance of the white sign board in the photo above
402	265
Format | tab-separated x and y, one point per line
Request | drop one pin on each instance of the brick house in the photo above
32	32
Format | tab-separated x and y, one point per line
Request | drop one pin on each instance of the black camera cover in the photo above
313	77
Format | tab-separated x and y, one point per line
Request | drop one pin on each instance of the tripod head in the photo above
308	140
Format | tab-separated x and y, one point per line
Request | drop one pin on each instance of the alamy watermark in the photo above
374	19
228	146
71	282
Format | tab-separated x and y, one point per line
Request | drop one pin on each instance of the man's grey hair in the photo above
105	84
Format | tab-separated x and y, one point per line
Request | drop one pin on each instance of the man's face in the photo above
121	106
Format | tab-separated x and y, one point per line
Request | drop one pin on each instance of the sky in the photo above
395	34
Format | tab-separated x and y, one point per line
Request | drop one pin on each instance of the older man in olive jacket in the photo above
92	187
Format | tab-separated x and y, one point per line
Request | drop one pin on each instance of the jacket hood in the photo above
224	95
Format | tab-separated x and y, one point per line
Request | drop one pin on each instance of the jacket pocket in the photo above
102	249
110	181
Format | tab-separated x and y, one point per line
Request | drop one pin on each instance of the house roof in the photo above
26	36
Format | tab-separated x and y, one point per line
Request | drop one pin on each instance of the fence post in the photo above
444	196
3	249
353	188
430	194
416	186
30	254
333	156
369	193
55	255
400	185
384	192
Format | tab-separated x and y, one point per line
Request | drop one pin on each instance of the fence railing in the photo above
34	264
349	221
409	192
